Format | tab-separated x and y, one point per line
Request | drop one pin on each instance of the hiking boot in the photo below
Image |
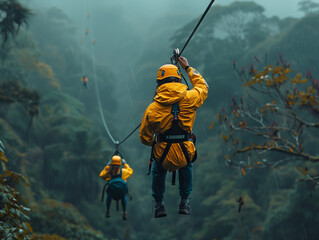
185	207
124	215
160	209
107	214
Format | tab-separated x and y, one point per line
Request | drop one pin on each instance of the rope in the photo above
116	143
96	86
129	134
201	19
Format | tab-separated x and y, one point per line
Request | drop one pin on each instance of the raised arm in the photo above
200	87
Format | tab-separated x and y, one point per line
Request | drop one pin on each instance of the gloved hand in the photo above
123	161
183	62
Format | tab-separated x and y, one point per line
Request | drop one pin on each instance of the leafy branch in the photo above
12	16
278	116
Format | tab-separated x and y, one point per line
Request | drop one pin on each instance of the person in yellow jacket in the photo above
167	126
117	178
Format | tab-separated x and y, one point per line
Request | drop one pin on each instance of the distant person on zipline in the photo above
117	186
84	80
167	127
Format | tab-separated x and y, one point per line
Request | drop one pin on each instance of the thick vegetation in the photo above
53	134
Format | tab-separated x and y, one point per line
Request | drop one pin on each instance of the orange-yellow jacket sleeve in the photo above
104	174
194	99
200	87
126	172
146	131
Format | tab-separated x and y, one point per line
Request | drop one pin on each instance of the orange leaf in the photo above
29	227
211	125
225	137
290	149
243	171
302	170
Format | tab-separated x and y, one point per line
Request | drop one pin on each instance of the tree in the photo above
308	6
12	16
13	214
57	220
275	123
11	92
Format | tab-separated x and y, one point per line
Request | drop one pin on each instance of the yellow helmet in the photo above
116	160
168	70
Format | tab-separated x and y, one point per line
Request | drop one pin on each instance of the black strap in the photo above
175	111
185	152
166	150
167	80
151	159
173	177
104	189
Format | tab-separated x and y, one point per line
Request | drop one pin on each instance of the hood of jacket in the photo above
170	93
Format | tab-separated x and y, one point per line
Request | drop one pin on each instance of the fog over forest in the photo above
76	76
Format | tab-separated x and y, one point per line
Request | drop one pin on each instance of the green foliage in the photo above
12	16
64	153
11	92
13	214
51	217
299	211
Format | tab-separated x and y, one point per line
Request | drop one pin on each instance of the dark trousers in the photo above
109	201
185	176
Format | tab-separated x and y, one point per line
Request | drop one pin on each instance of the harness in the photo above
175	134
119	183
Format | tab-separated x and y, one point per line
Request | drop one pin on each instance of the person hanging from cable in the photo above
117	176
84	80
167	126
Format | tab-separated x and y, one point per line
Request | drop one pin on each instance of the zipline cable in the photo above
96	88
130	134
200	21
116	143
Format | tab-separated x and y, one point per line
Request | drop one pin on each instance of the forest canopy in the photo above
256	173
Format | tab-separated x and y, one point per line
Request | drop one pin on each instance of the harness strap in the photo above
151	159
174	138
185	152
173	177
175	110
104	189
166	150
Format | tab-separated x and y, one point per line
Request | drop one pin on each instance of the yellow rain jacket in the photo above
158	117
126	172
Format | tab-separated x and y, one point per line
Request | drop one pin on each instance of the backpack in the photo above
116	187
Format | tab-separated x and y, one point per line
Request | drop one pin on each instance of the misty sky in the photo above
147	8
131	25
131	20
